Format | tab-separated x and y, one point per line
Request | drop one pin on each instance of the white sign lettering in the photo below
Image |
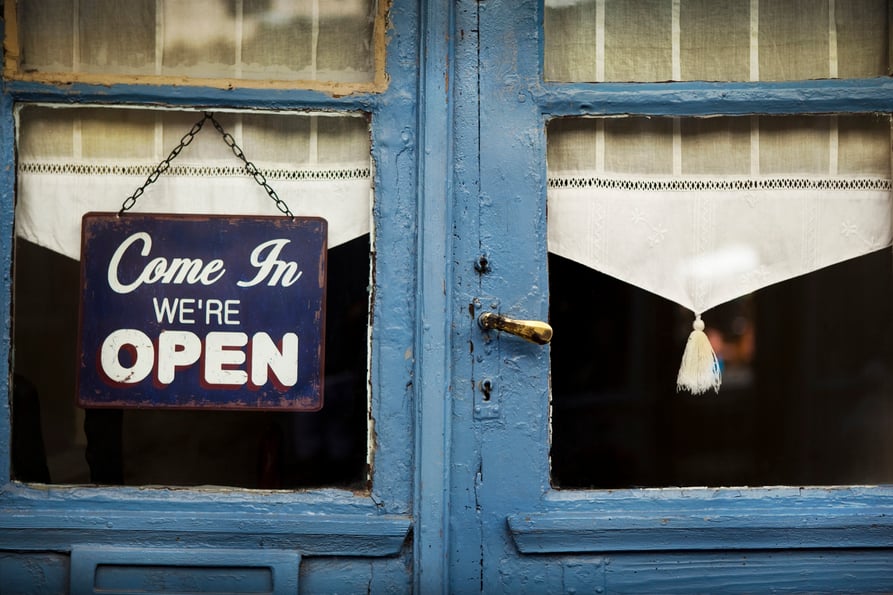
180	270
159	270
270	266
182	310
221	357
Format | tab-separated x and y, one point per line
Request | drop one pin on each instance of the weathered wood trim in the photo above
593	532
706	99
309	534
137	565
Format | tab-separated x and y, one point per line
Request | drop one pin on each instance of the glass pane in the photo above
67	156
806	394
571	42
55	442
660	40
199	38
794	40
795	145
704	139
320	164
714	40
303	40
281	48
112	37
638	42
47	36
862	43
863	145
806	397
639	144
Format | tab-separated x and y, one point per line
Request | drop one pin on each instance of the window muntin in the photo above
689	40
307	43
72	160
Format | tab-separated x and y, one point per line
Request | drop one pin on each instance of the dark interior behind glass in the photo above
807	394
54	442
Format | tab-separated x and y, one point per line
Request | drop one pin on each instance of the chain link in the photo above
250	168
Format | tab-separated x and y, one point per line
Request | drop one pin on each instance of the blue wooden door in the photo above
460	498
92	534
511	530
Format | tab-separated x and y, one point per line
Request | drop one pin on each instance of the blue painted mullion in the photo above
432	346
466	531
692	99
189	96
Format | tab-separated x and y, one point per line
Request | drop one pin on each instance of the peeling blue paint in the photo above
461	501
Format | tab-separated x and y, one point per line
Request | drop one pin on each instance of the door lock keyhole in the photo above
486	388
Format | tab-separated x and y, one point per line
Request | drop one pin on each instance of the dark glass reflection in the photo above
807	395
55	442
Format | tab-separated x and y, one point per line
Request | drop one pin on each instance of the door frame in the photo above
432	494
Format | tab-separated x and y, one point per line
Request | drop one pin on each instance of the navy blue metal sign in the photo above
202	311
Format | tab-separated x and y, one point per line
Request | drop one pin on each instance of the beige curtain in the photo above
324	40
714	40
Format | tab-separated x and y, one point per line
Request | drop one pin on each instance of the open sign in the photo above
202	311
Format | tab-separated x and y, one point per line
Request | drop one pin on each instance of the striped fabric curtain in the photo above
289	40
714	40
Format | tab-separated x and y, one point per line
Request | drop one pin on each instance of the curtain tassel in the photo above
700	370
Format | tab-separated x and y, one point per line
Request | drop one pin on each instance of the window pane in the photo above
807	370
47	36
638	41
806	396
111	37
862	43
306	40
794	40
199	38
570	32
69	156
727	40
55	442
714	39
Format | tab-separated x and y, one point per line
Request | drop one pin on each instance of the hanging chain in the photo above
250	168
130	201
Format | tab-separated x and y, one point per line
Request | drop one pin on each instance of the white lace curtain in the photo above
702	211
75	160
705	210
325	40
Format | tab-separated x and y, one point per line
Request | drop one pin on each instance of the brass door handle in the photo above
530	330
